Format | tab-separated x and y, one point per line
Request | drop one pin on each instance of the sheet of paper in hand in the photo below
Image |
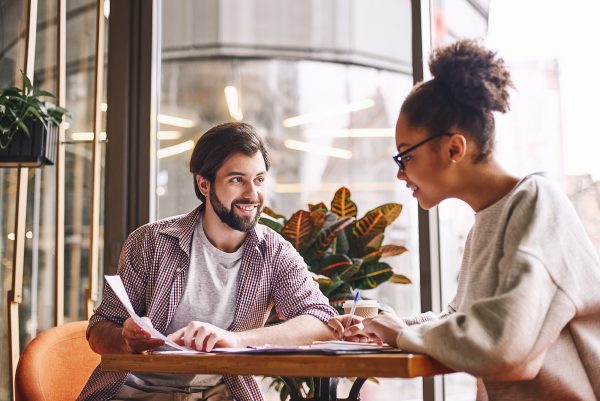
116	284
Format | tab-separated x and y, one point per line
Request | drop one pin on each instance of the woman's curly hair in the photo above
469	83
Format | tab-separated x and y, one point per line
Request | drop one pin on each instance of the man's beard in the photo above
229	217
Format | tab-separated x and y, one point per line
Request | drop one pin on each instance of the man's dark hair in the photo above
220	142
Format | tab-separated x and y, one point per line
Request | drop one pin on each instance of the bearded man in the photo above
208	279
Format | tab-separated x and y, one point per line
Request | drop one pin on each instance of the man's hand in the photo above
339	323
204	337
385	327
136	339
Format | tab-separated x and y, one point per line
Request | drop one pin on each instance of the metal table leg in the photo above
294	393
355	390
325	389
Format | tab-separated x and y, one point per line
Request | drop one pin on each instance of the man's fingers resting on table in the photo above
202	336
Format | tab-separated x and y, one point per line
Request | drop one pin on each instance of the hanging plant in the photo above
28	126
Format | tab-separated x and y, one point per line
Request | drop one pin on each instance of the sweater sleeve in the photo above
504	336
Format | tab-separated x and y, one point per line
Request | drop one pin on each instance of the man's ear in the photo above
457	147
203	185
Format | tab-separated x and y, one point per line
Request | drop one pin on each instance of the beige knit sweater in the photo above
526	317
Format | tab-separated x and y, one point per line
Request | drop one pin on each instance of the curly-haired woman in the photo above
526	316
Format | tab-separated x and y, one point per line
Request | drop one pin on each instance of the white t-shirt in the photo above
210	296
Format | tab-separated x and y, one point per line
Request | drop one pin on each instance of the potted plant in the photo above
342	251
28	126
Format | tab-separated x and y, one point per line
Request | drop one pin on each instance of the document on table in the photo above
317	347
337	345
117	286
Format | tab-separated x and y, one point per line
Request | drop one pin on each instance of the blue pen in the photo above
353	309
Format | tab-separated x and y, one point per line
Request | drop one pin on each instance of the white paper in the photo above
117	286
232	350
346	345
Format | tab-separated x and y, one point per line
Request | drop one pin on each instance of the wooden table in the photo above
324	368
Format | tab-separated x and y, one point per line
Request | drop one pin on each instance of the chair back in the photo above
56	364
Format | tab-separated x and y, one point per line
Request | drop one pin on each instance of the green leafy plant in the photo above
18	106
343	253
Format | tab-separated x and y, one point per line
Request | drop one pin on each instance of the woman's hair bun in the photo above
472	75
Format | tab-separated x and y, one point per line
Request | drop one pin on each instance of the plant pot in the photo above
35	150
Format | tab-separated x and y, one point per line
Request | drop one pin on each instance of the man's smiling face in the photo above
237	194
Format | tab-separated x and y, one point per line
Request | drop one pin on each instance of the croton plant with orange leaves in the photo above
341	250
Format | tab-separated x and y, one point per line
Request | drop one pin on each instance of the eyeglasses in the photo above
402	155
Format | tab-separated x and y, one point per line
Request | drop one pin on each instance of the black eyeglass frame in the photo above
400	155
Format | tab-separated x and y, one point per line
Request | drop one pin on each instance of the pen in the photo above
353	309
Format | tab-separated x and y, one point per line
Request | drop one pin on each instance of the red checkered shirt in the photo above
153	265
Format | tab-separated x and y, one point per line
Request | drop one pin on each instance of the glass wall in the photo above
327	118
37	309
552	125
453	20
81	53
358	145
13	22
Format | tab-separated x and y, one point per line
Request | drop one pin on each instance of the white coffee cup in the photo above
364	307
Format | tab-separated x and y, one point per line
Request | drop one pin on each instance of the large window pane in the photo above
325	94
36	311
552	125
455	20
81	52
12	58
273	91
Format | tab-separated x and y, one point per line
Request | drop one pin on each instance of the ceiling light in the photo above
106	9
176	121
175	149
233	103
349	133
87	136
318	149
343	109
168	135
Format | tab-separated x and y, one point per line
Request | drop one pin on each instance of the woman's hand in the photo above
385	327
339	323
136	339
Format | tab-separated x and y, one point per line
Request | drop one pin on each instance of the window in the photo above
325	104
37	309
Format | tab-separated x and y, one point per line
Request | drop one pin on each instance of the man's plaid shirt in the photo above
153	266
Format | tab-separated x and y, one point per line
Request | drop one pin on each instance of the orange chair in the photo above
56	364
